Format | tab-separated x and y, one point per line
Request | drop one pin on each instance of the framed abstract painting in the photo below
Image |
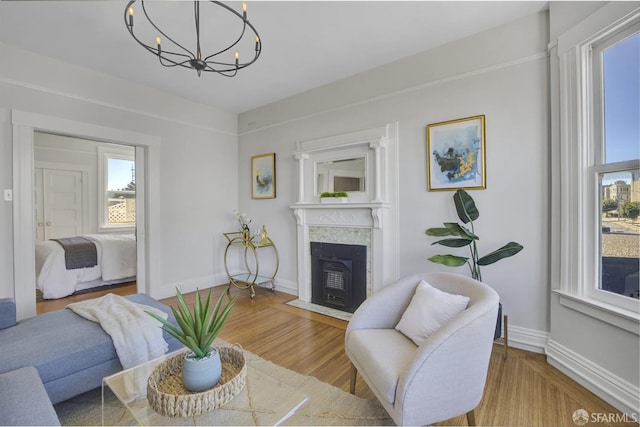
263	176
456	154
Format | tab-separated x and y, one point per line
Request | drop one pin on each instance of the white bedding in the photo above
116	261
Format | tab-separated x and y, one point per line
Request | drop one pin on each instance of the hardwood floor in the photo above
46	306
523	390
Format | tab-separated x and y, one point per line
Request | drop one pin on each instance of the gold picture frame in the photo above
263	176
456	154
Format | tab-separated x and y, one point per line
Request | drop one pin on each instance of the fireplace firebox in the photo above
338	275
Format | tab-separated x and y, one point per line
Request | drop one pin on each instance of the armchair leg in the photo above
471	418
506	336
352	379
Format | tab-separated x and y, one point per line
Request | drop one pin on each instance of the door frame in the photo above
24	124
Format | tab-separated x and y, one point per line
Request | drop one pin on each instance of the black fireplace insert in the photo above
338	275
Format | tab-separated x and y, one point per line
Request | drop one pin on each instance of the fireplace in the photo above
369	218
338	275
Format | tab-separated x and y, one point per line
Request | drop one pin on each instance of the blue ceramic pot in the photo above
203	374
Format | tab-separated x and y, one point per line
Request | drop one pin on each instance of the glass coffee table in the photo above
264	400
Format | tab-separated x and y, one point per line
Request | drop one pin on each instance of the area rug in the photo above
329	405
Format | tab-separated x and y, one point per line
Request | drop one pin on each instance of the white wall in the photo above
197	159
502	74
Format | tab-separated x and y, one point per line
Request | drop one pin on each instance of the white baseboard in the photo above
189	285
287	286
528	339
608	386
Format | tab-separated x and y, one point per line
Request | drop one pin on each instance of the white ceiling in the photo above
306	44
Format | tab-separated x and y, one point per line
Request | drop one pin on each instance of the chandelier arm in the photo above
144	9
244	28
154	51
231	45
227	73
172	63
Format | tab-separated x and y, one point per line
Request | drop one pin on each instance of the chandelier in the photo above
170	45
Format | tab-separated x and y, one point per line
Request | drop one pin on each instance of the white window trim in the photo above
105	152
578	211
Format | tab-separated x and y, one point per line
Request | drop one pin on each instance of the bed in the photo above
116	263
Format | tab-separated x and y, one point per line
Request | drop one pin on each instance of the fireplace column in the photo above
377	173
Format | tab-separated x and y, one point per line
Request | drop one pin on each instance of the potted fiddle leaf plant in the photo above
466	237
197	329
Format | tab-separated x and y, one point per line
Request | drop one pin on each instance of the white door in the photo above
59	207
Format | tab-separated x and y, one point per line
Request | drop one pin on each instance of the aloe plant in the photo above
197	328
467	212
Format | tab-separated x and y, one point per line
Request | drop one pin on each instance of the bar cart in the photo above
251	247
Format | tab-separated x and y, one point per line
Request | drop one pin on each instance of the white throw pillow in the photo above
429	309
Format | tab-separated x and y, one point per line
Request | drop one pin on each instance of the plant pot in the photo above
202	374
334	199
498	332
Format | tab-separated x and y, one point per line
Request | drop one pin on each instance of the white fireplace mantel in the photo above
369	218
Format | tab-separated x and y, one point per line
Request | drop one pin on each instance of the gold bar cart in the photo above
251	245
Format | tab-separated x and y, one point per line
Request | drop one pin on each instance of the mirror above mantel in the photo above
356	163
348	175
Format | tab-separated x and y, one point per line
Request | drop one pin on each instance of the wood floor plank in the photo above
523	390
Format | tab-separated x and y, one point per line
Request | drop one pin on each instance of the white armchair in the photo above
438	380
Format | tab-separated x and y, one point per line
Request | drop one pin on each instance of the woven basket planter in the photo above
168	396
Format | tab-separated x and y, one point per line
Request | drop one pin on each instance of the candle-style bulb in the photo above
131	16
130	10
244	10
158	40
257	43
237	56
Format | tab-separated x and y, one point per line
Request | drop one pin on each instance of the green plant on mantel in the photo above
334	194
467	212
197	328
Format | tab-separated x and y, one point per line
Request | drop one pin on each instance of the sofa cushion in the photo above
429	309
385	352
7	312
24	401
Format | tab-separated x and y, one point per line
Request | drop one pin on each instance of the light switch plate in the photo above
8	195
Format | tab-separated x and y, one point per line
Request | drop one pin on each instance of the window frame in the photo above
106	152
580	163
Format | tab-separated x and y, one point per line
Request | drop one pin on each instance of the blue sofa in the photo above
71	354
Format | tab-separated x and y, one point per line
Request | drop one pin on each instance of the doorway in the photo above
147	155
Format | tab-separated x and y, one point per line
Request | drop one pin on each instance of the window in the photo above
118	183
616	88
598	165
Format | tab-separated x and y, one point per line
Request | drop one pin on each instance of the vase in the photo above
201	374
334	199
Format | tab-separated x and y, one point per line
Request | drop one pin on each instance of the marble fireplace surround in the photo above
368	218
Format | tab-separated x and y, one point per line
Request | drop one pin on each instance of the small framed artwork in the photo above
456	154
263	176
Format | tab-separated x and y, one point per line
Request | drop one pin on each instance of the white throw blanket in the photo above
137	337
